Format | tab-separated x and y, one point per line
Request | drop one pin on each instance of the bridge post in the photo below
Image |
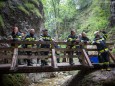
54	59
112	57
14	59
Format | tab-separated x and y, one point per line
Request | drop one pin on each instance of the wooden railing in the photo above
12	52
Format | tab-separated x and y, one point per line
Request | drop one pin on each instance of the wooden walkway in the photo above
9	57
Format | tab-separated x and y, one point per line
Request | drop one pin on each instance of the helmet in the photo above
95	33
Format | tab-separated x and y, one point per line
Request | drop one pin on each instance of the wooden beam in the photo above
33	57
86	57
112	56
7	49
34	49
40	42
54	59
14	59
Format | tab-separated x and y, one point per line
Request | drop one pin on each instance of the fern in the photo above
33	9
1	21
23	9
36	2
37	13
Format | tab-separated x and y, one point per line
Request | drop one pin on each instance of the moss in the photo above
2	4
23	9
33	9
15	80
38	13
1	21
36	2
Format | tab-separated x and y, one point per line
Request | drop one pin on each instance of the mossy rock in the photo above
15	80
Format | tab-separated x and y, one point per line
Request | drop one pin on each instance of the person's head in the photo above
84	34
45	32
23	34
15	29
96	33
32	31
73	32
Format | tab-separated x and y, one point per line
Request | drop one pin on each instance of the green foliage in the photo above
15	80
33	9
23	9
36	2
95	17
2	4
1	21
113	51
91	16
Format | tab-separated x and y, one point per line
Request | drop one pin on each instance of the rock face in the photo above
25	14
95	78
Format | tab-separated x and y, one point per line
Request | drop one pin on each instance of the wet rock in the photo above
92	78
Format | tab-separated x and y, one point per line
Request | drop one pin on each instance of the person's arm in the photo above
105	36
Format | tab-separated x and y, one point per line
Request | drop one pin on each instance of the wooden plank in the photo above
54	59
5	65
6	49
86	57
41	42
66	49
112	56
14	59
5	56
94	49
34	49
33	57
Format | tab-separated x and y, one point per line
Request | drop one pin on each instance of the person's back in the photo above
103	54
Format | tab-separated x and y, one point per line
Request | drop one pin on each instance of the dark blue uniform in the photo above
45	38
16	37
100	42
29	37
72	39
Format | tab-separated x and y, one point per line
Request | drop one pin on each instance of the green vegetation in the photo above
1	21
82	15
113	51
36	2
2	4
31	7
23	9
15	80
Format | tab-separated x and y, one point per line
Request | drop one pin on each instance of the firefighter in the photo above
16	36
100	42
73	38
45	37
30	37
84	38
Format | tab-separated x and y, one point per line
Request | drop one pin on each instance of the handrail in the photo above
46	42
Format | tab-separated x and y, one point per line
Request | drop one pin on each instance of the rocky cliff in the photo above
25	14
92	78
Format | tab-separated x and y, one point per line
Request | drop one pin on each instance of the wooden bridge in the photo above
9	57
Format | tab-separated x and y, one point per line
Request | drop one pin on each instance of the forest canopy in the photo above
82	15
